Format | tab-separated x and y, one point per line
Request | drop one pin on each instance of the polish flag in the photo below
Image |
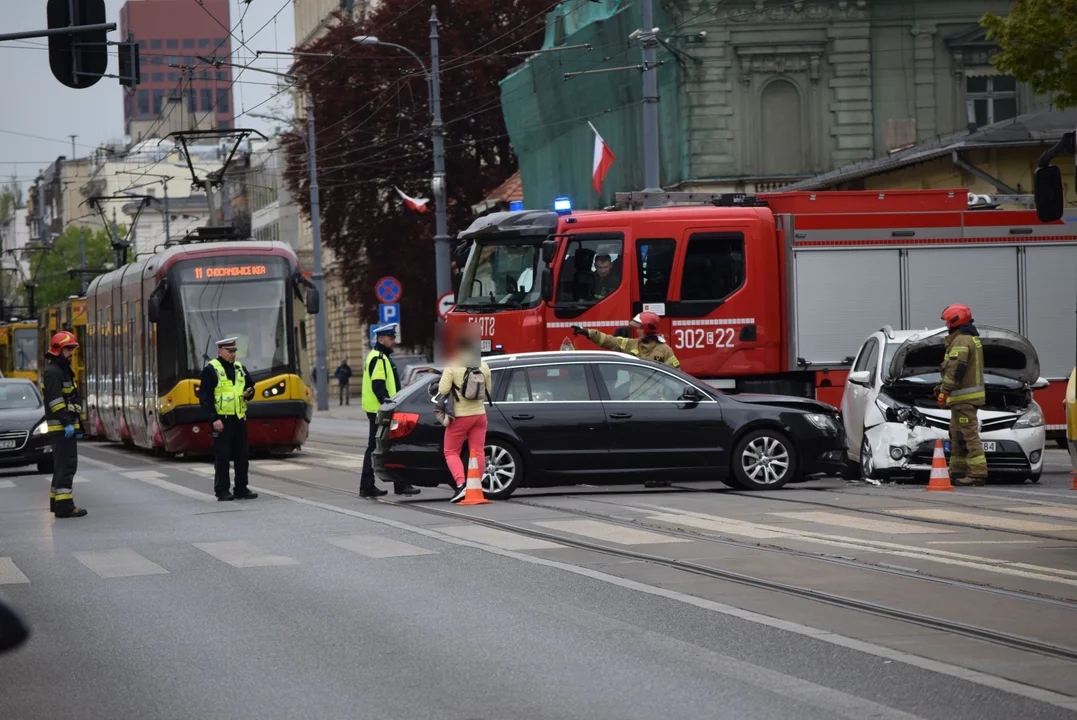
416	204
603	160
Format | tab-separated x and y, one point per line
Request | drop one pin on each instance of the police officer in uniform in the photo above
63	416
649	345
962	390
226	386
380	382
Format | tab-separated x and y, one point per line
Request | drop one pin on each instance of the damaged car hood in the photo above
1006	354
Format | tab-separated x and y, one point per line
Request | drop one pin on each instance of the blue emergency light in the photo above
562	206
516	205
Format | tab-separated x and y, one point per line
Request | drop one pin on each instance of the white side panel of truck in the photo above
984	278
1051	294
841	297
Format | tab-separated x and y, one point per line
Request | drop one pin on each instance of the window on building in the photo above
220	42
990	99
222	100
173	77
157	77
188	42
654	263
143	102
141	44
188	60
222	75
173	59
205	42
224	124
204	75
207	100
157	60
158	100
713	267
155	44
172	44
192	99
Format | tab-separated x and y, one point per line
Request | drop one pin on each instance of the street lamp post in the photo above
437	135
321	365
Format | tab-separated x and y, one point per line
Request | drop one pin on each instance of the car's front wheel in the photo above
764	460
504	470
867	462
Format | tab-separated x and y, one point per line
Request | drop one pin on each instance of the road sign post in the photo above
445	305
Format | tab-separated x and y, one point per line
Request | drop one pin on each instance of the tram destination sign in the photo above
208	270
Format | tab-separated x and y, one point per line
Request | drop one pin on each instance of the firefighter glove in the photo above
577	330
943	397
69	431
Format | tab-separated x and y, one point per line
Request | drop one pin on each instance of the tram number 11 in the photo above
692	338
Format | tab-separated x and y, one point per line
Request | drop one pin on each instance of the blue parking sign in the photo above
388	313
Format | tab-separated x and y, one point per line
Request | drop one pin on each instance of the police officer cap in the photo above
389	329
227	342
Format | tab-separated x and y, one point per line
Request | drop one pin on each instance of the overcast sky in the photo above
34	103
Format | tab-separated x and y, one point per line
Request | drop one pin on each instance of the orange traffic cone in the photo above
940	476
1074	474
473	495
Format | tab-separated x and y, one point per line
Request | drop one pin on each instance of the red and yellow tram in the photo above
152	326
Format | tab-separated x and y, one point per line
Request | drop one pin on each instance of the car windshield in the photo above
499	276
253	311
19	396
26	349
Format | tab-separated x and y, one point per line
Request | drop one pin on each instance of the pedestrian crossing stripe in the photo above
242	554
610	533
6	484
377	546
10	573
885	527
118	563
992	521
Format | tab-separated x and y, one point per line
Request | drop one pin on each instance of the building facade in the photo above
171	34
14	258
754	94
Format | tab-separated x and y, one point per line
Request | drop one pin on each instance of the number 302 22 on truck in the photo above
772	293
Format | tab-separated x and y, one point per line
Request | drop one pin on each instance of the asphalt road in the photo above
165	604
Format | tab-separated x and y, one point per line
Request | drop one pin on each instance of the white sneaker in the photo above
461	490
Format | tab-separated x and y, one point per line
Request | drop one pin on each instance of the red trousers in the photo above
473	429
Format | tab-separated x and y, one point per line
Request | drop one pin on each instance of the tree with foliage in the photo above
1038	40
55	269
10	198
372	122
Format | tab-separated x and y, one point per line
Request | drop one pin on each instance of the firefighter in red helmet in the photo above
63	417
961	389
648	344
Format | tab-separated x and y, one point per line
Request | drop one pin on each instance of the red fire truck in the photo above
773	293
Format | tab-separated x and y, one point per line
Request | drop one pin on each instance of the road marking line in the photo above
1048	510
982	520
609	533
1037	493
180	489
10	573
122	562
202	470
79	479
376	546
499	538
242	554
733	527
346	464
955	671
984	542
6	484
859	523
279	466
143	475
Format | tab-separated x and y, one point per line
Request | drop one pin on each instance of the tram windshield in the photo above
26	349
252	307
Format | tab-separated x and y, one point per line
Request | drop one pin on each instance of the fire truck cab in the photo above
773	293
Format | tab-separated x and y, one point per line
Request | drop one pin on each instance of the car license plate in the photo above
486	345
8	444
989	446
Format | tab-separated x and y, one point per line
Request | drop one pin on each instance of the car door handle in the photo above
523	417
620	416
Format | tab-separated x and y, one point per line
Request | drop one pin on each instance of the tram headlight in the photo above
277	389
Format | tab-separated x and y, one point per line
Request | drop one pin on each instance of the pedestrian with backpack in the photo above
467	378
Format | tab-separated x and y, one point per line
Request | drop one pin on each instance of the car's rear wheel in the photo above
45	466
504	470
764	460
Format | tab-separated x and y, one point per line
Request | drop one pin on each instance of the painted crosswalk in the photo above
376	546
608	532
498	538
7	484
983	520
858	522
242	554
10	573
279	466
121	562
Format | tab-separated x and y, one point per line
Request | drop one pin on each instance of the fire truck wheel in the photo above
504	470
764	460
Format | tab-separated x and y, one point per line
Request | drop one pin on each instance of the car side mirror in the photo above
861	377
549	251
693	394
314	301
13	630
1048	192
1040	384
460	253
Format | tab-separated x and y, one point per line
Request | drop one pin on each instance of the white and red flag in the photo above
603	160
416	204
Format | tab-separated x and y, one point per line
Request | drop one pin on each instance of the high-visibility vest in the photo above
377	367
228	396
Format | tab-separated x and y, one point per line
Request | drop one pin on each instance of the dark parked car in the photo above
563	418
24	439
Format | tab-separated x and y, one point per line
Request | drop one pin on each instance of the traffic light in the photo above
80	59
130	72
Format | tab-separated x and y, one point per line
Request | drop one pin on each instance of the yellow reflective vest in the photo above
963	370
228	396
378	366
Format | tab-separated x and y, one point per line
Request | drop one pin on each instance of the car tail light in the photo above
402	424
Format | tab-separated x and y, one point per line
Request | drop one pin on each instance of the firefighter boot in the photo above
65	508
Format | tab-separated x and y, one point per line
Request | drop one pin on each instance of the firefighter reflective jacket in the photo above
648	348
228	397
963	368
63	403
